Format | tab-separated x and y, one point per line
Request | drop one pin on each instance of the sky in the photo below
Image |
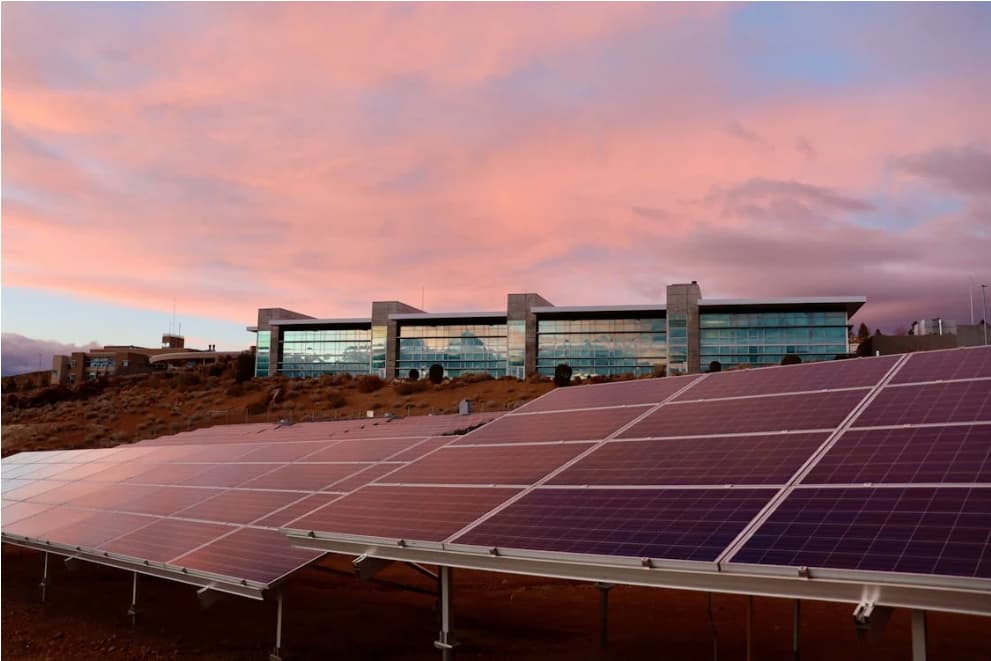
216	158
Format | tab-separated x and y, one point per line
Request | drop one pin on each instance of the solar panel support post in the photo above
918	635
276	654
750	624
445	642
794	629
604	589
44	579
133	610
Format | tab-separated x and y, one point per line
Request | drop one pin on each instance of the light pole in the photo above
984	296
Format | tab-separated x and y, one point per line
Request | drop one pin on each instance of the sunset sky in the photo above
226	157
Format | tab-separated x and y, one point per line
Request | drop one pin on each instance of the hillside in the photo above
129	409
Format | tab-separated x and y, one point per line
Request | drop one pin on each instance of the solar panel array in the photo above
878	464
207	502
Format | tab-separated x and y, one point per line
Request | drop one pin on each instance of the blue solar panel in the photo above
678	524
915	530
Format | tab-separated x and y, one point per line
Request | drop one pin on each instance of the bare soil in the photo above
333	615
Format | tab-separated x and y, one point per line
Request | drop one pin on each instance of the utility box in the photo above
464	407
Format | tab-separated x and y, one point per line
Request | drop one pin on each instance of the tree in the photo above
244	367
562	375
11	384
791	359
863	332
436	373
715	366
414	374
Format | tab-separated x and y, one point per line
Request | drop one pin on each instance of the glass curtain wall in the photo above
332	351
263	344
764	338
602	346
458	348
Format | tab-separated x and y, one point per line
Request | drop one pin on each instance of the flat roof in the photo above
320	322
571	309
851	303
437	316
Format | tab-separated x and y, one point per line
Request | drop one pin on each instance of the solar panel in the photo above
423	513
677	524
960	453
562	426
164	539
948	365
792	378
258	555
823	410
955	401
241	506
916	530
626	393
762	459
483	464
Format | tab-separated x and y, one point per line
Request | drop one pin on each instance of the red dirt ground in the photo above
498	616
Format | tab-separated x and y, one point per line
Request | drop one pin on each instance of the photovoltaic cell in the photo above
916	530
960	401
257	555
363	477
547	427
421	513
96	528
164	539
423	448
945	365
167	474
757	414
303	477
488	464
15	511
767	459
227	475
297	509
284	451
857	373
674	524
907	454
49	519
645	391
366	450
239	506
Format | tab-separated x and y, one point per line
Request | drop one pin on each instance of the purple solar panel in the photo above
364	450
227	475
674	524
167	474
67	493
164	539
43	522
644	391
960	453
303	477
365	476
770	459
15	511
239	506
545	427
97	528
284	451
162	501
297	509
488	465
757	414
423	448
959	401
257	555
916	530
945	365
860	373
420	513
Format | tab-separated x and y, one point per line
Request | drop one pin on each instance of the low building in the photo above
532	336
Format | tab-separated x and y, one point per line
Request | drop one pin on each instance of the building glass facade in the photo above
602	346
380	335
516	351
677	343
306	353
764	338
459	348
262	347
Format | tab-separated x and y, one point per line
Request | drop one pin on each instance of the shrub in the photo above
244	367
436	373
215	370
235	390
256	406
715	366
187	379
409	387
562	375
414	374
791	359
476	377
337	400
369	383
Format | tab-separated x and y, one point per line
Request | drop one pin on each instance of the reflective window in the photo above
458	348
602	346
764	338
263	344
310	353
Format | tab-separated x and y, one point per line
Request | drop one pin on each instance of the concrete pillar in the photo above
683	327
519	308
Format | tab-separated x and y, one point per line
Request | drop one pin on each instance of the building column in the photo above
683	328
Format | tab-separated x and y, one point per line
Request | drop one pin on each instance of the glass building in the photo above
532	336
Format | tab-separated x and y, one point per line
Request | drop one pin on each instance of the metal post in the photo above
446	642
276	654
133	610
712	627
44	579
750	624
984	295
918	635
794	631
604	589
